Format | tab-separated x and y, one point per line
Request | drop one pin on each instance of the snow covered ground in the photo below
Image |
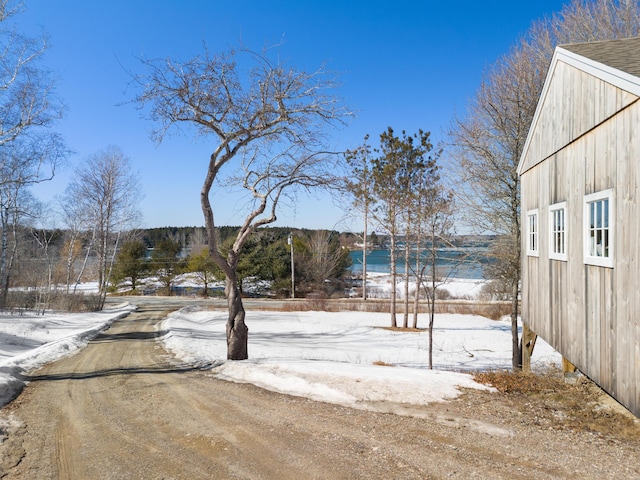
28	341
346	358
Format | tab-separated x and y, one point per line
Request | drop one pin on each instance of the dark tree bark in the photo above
237	330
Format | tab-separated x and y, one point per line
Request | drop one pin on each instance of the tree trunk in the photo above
515	286
364	254
515	344
8	257
69	266
416	301
86	259
432	299
432	315
4	274
205	294
392	258
407	252
431	340
419	278
237	331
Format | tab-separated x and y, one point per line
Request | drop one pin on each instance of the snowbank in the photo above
29	341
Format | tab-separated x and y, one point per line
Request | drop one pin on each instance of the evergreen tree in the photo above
131	263
204	267
165	262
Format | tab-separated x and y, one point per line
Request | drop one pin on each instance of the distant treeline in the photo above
188	236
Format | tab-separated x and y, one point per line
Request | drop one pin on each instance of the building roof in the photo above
623	55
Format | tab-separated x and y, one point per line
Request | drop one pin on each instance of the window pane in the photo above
558	231
598	210
532	234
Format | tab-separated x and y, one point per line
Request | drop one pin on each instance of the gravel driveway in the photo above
122	408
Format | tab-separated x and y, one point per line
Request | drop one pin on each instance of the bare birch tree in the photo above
28	108
489	139
104	192
27	160
73	247
27	95
267	123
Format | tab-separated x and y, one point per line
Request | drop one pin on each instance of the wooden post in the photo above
529	338
569	370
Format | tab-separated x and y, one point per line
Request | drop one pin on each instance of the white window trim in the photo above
552	241
588	258
533	251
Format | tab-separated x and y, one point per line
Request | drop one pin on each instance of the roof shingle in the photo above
623	55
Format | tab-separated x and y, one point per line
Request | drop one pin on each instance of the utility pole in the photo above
293	276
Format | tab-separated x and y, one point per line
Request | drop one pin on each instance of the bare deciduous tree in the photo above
25	161
27	95
436	224
268	123
322	258
489	142
104	192
28	108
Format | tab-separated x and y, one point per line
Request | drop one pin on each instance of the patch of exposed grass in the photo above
550	401
380	363
402	329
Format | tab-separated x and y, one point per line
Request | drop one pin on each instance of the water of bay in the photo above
462	262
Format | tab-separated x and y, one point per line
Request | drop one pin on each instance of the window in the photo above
558	231
532	233
598	223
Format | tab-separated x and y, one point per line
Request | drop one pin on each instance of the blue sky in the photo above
404	64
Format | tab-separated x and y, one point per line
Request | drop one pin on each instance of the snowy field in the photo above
345	358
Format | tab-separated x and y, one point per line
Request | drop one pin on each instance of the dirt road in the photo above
122	408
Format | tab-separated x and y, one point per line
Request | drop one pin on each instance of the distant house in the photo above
580	174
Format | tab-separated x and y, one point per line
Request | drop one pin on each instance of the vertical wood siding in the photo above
574	103
590	314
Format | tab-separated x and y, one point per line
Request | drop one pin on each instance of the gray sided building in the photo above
580	174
